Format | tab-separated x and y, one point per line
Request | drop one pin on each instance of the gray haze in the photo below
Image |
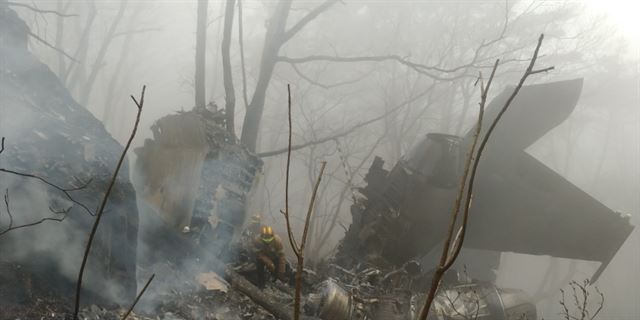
597	148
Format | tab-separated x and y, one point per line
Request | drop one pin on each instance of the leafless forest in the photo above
416	159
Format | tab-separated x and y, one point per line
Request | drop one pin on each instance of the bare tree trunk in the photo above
229	90
62	63
242	64
275	37
201	41
97	64
272	43
81	52
115	78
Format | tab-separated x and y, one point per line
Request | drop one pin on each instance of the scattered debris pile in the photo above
197	304
49	135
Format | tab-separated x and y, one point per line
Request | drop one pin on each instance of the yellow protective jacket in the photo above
271	254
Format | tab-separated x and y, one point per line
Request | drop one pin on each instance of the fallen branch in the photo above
100	211
138	297
240	283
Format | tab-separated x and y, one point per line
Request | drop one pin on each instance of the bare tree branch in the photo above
441	269
322	85
135	31
32	8
308	18
292	239
12	227
35	36
346	131
448	258
298	250
580	301
419	68
65	191
82	49
527	73
103	204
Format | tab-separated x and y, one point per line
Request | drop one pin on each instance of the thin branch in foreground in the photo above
100	211
64	191
292	239
448	258
298	250
440	271
138	296
12	227
485	140
581	298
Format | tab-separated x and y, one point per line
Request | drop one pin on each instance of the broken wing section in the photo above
533	210
523	206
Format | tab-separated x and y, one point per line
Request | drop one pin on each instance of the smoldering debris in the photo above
51	136
194	180
202	304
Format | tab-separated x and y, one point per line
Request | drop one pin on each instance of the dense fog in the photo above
367	78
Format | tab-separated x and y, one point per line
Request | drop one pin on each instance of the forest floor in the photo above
199	300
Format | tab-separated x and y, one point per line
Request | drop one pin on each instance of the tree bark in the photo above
229	90
273	41
62	65
201	41
81	52
97	64
115	78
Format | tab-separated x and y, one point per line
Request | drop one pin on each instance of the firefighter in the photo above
270	256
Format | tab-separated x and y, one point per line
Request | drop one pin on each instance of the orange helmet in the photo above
266	234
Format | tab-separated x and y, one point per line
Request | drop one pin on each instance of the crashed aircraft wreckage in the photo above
520	206
403	212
